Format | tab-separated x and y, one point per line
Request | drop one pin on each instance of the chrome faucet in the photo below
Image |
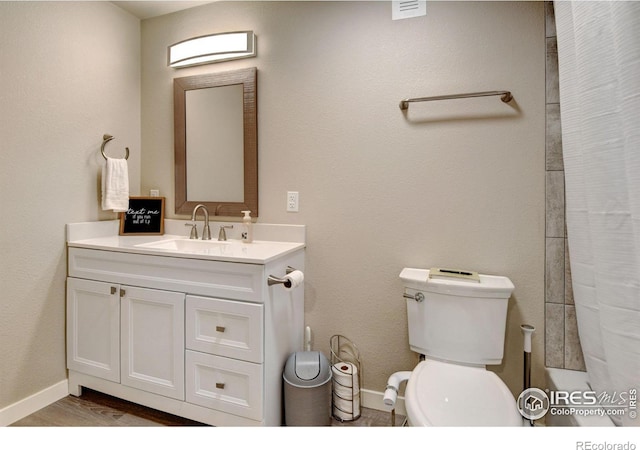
206	231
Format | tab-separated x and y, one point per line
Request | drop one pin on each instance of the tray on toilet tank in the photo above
488	285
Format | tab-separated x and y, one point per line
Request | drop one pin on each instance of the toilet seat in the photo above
446	394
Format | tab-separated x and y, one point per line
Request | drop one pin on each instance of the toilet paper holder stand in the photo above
271	279
343	350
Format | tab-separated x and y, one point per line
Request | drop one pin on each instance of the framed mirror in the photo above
216	142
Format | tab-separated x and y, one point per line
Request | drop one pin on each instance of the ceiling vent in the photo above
404	9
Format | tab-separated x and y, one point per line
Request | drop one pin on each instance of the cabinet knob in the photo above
220	329
113	290
219	385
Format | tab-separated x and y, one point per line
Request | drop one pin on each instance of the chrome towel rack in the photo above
505	96
106	138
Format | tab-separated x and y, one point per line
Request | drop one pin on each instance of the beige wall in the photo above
455	184
70	73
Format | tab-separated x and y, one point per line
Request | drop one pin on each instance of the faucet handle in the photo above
222	235
194	230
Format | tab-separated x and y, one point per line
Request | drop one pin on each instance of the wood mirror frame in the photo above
248	79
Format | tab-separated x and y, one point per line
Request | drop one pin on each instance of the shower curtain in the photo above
599	67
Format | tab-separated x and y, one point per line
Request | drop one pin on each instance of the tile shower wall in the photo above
562	345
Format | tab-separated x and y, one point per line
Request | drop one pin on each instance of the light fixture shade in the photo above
212	48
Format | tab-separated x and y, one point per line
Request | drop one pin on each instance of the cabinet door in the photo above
93	328
153	341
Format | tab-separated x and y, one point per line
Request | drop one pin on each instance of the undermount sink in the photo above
190	245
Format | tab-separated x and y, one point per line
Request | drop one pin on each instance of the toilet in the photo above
456	322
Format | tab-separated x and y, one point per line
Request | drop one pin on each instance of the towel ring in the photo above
106	138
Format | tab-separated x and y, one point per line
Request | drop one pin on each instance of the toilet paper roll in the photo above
345	392
294	279
346	374
346	409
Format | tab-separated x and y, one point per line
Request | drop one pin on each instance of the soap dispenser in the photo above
247	227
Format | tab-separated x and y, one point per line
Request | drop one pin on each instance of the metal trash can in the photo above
307	390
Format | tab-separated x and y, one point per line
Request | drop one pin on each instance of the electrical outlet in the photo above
292	201
154	193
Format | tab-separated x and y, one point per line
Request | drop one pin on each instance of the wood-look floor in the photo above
94	409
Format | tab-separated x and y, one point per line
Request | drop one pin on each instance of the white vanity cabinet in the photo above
199	338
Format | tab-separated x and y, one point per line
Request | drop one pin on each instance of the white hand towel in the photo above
115	185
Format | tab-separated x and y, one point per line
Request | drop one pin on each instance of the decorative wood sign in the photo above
144	216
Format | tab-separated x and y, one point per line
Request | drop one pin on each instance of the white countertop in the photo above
104	236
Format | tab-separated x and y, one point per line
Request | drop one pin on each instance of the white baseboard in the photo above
33	403
374	400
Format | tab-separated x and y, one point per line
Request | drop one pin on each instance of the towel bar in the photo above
505	96
106	138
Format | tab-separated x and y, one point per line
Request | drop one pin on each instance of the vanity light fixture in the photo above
212	48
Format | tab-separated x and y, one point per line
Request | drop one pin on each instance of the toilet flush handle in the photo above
419	296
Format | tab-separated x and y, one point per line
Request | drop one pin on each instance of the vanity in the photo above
189	327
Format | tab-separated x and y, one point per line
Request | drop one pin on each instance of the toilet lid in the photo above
444	394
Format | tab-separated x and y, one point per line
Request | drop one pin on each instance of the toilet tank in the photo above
458	320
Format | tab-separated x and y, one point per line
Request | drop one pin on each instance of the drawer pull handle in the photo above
219	385
220	329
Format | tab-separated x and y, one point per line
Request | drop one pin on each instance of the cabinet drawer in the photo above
225	328
224	384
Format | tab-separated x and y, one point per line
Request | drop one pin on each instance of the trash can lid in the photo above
307	369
